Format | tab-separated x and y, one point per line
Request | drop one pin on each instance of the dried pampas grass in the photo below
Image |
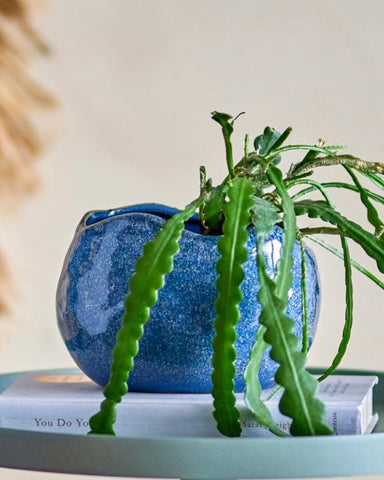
21	99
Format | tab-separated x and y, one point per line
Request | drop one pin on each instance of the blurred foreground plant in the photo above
21	99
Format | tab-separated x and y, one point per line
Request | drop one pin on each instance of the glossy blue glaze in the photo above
175	350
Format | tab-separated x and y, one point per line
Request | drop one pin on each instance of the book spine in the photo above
148	421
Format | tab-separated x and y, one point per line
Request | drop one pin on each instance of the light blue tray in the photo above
197	458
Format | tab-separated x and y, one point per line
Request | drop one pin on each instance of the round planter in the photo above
175	350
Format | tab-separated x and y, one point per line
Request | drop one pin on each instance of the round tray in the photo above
198	458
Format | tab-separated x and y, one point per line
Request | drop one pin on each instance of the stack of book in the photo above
64	402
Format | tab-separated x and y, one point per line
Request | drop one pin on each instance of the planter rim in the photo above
94	217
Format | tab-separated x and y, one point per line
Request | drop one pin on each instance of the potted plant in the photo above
250	248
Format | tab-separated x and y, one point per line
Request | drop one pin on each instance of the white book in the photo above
65	402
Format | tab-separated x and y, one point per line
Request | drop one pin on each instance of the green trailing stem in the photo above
148	279
253	392
264	218
348	283
372	214
375	177
299	400
315	186
284	270
305	340
339	254
332	160
255	193
312	148
233	253
373	246
348	312
227	128
374	196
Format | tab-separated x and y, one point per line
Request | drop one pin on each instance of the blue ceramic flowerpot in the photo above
175	350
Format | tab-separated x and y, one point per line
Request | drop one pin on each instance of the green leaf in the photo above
265	215
340	254
269	140
347	186
310	155
376	178
373	246
233	251
148	279
348	312
316	186
284	274
279	140
299	398
253	390
227	128
305	340
211	210
263	143
294	169
372	215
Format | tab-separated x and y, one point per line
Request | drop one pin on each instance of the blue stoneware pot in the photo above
175	350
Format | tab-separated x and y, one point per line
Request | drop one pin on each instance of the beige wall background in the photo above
137	81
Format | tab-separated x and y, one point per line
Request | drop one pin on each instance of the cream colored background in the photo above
137	81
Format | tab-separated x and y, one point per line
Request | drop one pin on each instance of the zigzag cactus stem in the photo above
348	160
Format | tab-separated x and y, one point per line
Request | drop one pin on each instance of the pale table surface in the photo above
197	458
